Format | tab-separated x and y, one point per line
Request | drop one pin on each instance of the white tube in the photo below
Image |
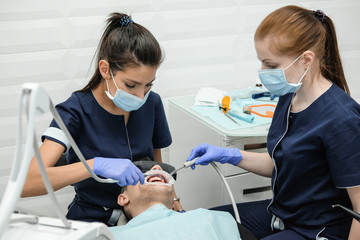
36	102
236	211
18	171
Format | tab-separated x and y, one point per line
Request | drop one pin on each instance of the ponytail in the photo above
330	64
123	44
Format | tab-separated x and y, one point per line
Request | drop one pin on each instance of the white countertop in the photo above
185	103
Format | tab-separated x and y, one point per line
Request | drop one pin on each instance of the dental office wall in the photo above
207	43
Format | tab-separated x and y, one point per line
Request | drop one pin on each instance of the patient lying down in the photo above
149	208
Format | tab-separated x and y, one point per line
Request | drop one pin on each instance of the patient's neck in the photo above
136	210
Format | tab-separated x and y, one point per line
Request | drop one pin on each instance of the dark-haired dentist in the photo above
115	119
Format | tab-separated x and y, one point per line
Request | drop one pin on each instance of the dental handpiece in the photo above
186	165
348	211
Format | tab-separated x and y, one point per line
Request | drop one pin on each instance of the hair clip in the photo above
125	20
320	15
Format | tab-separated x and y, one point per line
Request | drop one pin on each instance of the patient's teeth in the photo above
155	178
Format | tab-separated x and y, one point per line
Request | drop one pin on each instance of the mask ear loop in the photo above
293	62
304	72
107	85
300	81
112	76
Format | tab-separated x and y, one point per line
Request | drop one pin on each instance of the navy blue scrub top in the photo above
99	133
316	153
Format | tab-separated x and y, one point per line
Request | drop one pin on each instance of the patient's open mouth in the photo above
156	178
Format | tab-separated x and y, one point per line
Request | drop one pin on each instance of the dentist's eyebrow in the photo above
135	82
266	59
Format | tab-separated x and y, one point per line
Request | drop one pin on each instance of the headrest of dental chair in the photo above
145	164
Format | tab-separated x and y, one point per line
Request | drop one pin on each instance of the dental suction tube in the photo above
233	203
232	199
76	149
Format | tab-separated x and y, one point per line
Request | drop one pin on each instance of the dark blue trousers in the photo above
257	219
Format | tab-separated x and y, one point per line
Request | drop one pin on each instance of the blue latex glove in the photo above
207	153
119	169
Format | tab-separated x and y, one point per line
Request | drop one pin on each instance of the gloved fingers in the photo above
142	178
205	163
129	180
136	177
192	155
197	151
122	182
140	175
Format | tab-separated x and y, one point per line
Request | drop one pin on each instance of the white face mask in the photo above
275	81
124	100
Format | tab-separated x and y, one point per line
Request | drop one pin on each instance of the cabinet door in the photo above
248	187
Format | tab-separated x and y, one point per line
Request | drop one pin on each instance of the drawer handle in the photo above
255	146
256	190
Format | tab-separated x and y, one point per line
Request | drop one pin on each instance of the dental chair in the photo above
145	164
36	102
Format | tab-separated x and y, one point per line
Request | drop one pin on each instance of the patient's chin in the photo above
158	193
161	190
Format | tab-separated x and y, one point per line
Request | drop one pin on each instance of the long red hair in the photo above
295	30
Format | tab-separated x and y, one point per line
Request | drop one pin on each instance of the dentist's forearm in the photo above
59	177
258	163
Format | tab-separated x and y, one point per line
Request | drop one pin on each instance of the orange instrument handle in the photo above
225	104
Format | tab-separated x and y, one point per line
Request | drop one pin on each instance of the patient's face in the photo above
150	193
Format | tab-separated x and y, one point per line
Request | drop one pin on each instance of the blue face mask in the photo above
124	100
275	81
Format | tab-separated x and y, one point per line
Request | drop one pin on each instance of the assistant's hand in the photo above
119	169
207	153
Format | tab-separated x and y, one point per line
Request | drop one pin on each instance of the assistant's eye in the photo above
271	66
149	85
129	86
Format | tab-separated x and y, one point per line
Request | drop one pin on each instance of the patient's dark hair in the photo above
124	45
123	189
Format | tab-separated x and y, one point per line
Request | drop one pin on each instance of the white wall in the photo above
207	43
